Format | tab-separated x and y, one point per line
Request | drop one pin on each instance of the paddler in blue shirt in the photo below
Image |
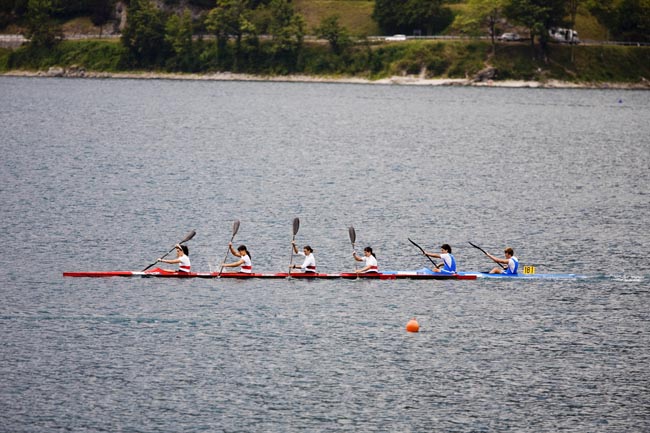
448	260
511	261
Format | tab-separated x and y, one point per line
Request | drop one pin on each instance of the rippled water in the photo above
109	174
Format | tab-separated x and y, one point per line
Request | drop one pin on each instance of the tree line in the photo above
270	34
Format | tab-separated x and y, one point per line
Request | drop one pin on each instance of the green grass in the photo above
354	15
93	55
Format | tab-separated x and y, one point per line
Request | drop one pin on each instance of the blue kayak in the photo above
519	276
526	276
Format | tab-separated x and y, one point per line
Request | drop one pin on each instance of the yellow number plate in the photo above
529	270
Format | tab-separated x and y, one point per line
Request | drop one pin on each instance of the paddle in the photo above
425	254
235	229
484	252
296	226
353	238
189	236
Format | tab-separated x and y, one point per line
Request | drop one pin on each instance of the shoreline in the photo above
394	80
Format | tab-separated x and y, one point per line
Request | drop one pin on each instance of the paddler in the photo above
511	261
182	258
244	259
309	264
448	260
370	261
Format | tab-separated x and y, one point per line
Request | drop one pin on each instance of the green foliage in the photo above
4	59
626	19
101	12
144	35
41	30
230	18
405	16
538	16
479	15
287	29
178	34
337	36
92	55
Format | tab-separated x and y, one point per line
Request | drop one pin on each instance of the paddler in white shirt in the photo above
448	260
370	260
244	259
511	261
309	264
182	258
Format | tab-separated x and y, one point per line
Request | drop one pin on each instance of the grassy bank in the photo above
425	59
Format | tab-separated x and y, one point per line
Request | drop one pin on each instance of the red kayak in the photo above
162	273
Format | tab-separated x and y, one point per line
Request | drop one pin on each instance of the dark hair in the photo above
509	251
307	247
185	250
446	247
243	248
370	251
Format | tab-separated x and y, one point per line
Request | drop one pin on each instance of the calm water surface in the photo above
109	174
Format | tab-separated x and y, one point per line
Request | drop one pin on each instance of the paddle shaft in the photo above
484	252
189	236
235	229
296	227
425	254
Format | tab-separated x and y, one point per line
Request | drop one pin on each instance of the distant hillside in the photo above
354	15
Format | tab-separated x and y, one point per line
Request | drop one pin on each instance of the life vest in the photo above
449	267
513	266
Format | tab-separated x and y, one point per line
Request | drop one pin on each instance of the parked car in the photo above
509	37
396	38
564	36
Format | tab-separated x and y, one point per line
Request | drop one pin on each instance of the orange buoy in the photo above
412	325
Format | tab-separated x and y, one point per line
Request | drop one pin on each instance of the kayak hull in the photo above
161	273
525	276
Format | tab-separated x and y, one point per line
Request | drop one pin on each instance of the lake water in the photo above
110	174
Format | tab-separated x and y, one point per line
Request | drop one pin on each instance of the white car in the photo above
396	38
509	37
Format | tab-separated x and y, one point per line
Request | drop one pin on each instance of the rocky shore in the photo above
483	79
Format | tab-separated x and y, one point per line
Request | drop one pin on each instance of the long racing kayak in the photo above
162	273
521	276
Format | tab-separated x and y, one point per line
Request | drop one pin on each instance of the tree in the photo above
178	34
337	35
230	18
41	31
538	16
480	14
287	30
404	16
428	15
102	10
625	19
634	20
144	35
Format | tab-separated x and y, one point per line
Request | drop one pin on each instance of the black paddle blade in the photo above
296	225
189	236
353	235
235	228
